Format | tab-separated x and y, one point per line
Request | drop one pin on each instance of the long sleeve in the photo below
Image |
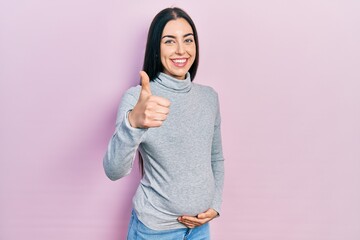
217	162
120	154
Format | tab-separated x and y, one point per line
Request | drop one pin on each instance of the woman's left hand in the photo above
198	220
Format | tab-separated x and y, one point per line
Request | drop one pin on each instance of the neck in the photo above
173	84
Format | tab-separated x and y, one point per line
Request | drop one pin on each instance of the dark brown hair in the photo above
152	62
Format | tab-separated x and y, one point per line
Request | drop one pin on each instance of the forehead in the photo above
177	27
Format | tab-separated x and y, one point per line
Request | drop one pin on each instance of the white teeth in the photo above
179	60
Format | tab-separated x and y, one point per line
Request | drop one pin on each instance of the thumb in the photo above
203	215
145	83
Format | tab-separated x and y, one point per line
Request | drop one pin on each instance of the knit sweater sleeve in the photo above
217	162
120	154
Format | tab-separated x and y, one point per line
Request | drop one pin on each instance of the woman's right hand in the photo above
149	111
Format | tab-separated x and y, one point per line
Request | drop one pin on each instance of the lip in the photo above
179	62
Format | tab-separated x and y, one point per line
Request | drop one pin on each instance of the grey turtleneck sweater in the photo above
183	160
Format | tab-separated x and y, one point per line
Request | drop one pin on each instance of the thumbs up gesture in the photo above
149	111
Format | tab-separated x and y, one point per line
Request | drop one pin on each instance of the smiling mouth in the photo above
180	62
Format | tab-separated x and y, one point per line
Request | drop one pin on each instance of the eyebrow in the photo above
171	36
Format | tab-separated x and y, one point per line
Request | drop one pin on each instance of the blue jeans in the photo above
138	231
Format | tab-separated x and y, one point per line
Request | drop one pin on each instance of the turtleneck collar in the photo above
173	84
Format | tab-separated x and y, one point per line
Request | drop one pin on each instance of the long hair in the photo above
152	62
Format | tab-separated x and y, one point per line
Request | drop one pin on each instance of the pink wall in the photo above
288	77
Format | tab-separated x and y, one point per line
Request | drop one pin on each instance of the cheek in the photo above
192	50
164	54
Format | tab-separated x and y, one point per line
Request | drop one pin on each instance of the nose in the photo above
180	48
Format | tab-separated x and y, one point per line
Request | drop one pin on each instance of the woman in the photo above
175	125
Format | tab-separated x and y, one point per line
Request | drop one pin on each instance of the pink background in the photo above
288	76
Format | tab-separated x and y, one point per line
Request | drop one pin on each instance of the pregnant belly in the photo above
186	197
